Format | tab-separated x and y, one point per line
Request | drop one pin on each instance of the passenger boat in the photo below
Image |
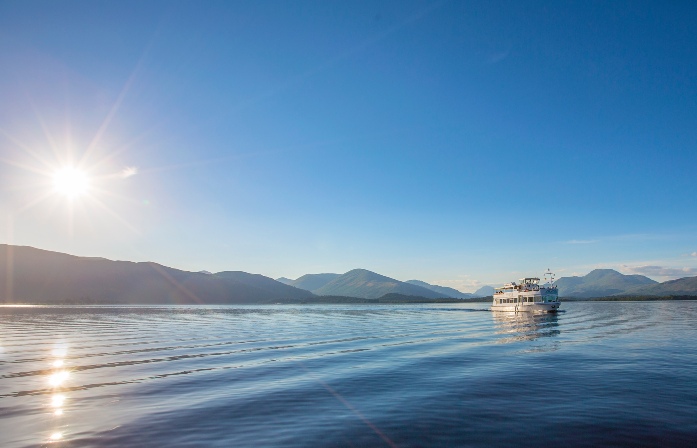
527	296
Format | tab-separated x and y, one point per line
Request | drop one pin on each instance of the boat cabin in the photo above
529	281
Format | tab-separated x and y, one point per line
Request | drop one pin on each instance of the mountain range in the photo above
601	283
366	284
370	285
30	275
447	292
608	282
310	282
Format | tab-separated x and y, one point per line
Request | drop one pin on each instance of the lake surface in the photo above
597	374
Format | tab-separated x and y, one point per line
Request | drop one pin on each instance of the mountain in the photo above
447	292
601	283
312	282
269	285
681	287
285	281
29	275
369	285
484	291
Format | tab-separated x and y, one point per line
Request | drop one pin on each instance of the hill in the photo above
681	287
484	291
447	292
601	283
369	285
313	282
391	298
30	275
285	281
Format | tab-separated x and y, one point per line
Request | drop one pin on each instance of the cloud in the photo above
693	254
580	241
463	284
128	172
498	56
660	271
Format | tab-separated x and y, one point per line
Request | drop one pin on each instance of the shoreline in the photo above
342	300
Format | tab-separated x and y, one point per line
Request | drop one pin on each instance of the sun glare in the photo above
71	182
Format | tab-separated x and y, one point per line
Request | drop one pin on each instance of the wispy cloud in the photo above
580	241
693	254
128	172
626	237
660	271
464	284
498	56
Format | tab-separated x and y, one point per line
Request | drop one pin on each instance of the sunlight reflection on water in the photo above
57	379
295	376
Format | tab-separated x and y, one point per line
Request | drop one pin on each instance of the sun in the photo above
71	182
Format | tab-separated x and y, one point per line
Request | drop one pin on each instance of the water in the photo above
598	374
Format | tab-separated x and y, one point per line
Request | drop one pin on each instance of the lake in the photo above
596	374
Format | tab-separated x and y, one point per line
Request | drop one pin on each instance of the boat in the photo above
528	296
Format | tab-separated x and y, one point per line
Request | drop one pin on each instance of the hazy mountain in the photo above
29	275
271	286
313	282
484	291
447	292
369	285
600	283
285	281
683	286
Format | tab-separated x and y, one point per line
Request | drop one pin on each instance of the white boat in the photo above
527	296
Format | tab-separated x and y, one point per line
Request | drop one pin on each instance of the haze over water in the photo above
611	373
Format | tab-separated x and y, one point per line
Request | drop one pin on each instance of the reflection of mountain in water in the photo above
525	326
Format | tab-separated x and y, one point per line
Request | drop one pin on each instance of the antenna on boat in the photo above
549	274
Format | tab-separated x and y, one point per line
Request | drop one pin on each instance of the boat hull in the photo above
551	307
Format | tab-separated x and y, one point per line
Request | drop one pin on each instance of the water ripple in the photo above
348	375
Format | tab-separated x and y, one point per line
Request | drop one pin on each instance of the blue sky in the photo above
460	143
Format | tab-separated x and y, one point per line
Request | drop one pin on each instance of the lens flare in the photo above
71	182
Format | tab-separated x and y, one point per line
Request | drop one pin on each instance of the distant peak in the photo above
357	270
603	272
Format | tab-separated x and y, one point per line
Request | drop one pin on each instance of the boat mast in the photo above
549	274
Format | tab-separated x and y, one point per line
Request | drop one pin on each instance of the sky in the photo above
460	143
